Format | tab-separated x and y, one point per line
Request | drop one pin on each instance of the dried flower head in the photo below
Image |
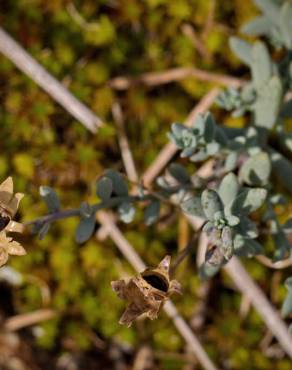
9	246
9	203
146	292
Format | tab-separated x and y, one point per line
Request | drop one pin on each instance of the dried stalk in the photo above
124	143
27	64
27	319
152	79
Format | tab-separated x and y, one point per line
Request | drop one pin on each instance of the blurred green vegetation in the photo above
84	45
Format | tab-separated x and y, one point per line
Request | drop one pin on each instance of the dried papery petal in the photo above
14	227
14	203
6	190
146	292
16	249
3	256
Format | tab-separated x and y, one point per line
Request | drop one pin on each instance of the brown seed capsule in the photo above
146	292
9	203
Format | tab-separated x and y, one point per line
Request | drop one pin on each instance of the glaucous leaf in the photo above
179	173
126	212
286	309
242	49
85	229
211	203
268	103
256	170
151	212
285	24
104	188
261	66
119	185
260	25
193	207
282	168
228	188
249	200
51	198
210	127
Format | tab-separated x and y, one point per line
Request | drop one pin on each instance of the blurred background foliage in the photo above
85	44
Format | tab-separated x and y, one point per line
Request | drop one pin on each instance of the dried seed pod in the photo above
9	203
8	246
146	292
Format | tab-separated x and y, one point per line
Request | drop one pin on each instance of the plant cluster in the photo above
252	170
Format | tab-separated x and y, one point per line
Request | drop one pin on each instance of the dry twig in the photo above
27	64
27	319
152	79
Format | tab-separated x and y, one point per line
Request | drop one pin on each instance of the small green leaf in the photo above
151	212
118	183
249	200
211	203
104	188
179	173
258	26
228	188
269	8
210	125
287	305
256	170
193	207
246	247
285	24
51	198
261	66
268	103
231	161
212	148
85	229
282	168
242	49
127	212
85	210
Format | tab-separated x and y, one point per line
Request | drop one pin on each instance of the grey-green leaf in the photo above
282	168
256	170
285	23
127	212
118	183
193	207
231	161
258	26
210	126
151	212
179	173
104	188
287	305
211	203
249	200
242	49
269	8
228	188
261	66
85	229
51	198
268	103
